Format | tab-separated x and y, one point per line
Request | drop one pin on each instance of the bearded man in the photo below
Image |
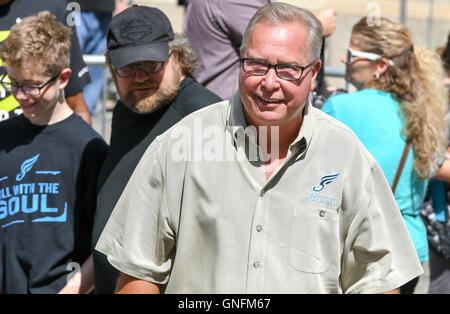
151	67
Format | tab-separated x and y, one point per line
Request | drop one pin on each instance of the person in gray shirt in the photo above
215	29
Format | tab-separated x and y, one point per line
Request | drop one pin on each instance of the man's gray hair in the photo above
279	13
184	54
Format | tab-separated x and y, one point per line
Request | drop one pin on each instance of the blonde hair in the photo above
37	44
415	81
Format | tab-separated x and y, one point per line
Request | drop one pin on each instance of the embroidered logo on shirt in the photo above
326	201
324	181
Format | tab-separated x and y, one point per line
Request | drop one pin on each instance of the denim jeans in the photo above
91	33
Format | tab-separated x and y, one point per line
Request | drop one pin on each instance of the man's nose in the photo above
141	75
271	81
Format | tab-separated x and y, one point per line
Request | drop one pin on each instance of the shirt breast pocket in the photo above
314	239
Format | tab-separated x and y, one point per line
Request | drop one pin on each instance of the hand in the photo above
82	281
328	19
73	286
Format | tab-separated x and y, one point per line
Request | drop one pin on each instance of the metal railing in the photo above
99	60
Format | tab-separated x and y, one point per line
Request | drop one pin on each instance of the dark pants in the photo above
408	288
439	273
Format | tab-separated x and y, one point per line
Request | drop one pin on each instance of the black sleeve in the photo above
93	158
193	96
80	75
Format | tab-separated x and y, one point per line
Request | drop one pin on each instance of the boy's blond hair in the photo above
38	44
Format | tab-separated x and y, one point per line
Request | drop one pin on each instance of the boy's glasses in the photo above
28	89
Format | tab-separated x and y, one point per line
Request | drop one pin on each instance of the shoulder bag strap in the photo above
400	166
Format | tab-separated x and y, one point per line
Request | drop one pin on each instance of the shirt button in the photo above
259	228
322	213
256	264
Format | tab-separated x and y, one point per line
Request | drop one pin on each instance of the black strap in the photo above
400	166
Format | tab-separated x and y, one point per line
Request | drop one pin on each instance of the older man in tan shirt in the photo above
262	193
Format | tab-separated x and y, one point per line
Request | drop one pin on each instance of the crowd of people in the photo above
230	168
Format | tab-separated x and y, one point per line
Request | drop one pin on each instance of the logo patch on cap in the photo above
136	30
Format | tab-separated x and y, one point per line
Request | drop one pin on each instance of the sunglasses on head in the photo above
351	54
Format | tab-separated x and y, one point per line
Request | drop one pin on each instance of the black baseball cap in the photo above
139	33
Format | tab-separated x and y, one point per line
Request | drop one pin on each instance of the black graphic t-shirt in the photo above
48	178
13	12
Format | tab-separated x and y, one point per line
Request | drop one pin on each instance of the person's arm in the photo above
82	281
130	285
78	104
395	291
443	173
328	19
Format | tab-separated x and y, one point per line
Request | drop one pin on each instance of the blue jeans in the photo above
92	37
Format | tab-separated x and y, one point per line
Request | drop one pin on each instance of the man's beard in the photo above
148	103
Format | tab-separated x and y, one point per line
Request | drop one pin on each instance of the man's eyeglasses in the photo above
28	89
351	54
131	69
289	72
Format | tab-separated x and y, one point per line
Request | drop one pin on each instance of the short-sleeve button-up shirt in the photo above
200	216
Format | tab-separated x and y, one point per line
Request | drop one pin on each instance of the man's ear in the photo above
315	72
64	78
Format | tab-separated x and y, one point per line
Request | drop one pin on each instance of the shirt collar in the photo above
236	116
237	124
307	130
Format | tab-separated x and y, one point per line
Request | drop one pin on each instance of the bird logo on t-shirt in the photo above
27	165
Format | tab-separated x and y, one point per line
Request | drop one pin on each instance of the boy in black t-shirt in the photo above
13	11
50	159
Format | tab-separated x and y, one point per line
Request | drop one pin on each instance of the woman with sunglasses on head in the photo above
400	100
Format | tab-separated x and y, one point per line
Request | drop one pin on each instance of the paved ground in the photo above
349	11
